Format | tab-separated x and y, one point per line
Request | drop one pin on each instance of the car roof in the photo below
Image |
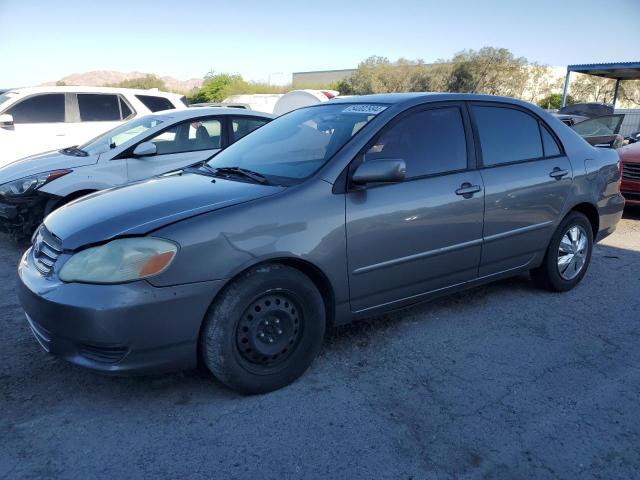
85	89
419	97
185	114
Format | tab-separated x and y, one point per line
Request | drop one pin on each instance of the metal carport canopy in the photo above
618	71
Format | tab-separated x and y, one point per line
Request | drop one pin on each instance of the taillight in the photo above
619	172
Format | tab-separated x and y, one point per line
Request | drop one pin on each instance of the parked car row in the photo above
141	148
599	126
40	119
344	209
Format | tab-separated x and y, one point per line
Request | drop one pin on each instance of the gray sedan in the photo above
333	212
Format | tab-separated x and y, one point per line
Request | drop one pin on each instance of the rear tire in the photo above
264	329
568	256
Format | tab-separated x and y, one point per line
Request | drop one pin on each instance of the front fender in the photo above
63	187
304	223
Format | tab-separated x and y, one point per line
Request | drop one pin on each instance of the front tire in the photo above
568	256
264	329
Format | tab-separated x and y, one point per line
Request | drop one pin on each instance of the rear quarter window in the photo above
242	126
551	147
155	104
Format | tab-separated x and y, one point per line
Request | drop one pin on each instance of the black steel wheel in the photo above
270	329
264	329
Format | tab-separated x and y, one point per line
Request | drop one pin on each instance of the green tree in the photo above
588	88
490	70
494	71
145	83
380	75
553	101
629	92
216	87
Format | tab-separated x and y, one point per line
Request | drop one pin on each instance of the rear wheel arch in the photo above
591	212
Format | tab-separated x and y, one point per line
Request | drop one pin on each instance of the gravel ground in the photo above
503	381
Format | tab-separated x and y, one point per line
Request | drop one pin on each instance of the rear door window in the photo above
47	108
430	142
242	126
204	134
155	104
99	107
507	135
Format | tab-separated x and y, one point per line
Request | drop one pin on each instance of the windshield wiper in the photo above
202	169
78	152
243	172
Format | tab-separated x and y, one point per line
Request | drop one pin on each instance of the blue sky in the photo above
46	40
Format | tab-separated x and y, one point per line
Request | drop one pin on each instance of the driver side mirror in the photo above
145	149
6	120
383	170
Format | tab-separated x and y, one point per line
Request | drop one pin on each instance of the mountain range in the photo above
99	78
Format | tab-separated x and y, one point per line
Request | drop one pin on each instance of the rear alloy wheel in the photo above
572	252
568	255
264	329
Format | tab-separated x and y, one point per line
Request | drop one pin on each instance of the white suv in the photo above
39	119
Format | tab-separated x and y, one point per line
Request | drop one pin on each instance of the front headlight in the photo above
27	185
120	261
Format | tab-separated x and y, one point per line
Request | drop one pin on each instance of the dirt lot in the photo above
504	381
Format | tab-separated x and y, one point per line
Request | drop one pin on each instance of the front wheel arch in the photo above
219	338
314	273
55	203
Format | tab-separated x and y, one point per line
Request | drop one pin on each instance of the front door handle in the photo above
558	173
467	190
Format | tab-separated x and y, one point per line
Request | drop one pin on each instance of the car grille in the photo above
634	196
101	354
46	250
631	171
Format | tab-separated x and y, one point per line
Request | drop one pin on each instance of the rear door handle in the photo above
467	190
557	173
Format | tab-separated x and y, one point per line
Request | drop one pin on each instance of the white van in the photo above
40	119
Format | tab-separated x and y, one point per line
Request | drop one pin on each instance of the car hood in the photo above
43	162
630	153
140	208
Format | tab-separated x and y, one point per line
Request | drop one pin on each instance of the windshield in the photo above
121	134
599	126
296	145
4	98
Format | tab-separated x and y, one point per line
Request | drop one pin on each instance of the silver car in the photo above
333	212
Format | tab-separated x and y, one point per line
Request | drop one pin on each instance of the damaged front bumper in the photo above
20	216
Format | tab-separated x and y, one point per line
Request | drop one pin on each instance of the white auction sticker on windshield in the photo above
364	108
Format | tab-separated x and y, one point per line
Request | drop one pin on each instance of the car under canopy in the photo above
618	71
